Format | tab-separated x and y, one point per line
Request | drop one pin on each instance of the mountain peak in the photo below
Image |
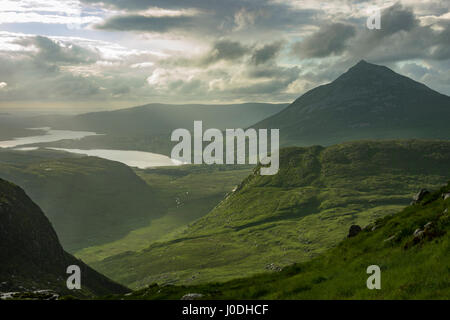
365	74
364	65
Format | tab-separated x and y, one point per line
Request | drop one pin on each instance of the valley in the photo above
270	222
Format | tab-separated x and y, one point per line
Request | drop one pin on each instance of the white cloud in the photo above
69	12
3	85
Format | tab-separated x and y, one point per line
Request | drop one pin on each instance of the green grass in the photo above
187	192
291	217
409	270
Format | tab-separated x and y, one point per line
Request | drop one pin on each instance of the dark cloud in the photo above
274	72
54	52
402	37
149	24
166	4
214	17
331	39
266	53
225	50
393	20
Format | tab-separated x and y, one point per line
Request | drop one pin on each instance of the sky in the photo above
70	54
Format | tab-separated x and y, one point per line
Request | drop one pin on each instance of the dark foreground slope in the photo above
412	266
89	200
30	254
270	222
367	102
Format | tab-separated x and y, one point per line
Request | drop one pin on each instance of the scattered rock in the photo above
273	267
353	231
192	296
389	239
446	196
428	226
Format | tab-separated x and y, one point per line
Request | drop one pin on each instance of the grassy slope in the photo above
290	217
88	200
188	193
408	270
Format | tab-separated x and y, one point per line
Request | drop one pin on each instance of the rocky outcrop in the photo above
419	196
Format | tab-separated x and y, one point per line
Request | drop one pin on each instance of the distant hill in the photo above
269	222
367	102
411	248
148	127
157	119
89	200
31	256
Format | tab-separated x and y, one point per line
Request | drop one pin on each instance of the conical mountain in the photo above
367	102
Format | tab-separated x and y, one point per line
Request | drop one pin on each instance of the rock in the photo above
273	267
428	226
192	296
445	211
353	231
420	195
418	236
446	196
389	239
417	232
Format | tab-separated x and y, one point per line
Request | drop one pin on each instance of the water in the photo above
49	136
139	159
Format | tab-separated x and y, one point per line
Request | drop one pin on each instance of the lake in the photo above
139	159
49	136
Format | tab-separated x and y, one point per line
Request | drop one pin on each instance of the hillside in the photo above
413	265
89	200
157	119
367	102
270	222
31	256
188	192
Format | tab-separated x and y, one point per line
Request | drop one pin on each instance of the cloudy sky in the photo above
117	53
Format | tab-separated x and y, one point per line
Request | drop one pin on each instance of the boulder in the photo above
446	196
420	195
353	231
417	232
